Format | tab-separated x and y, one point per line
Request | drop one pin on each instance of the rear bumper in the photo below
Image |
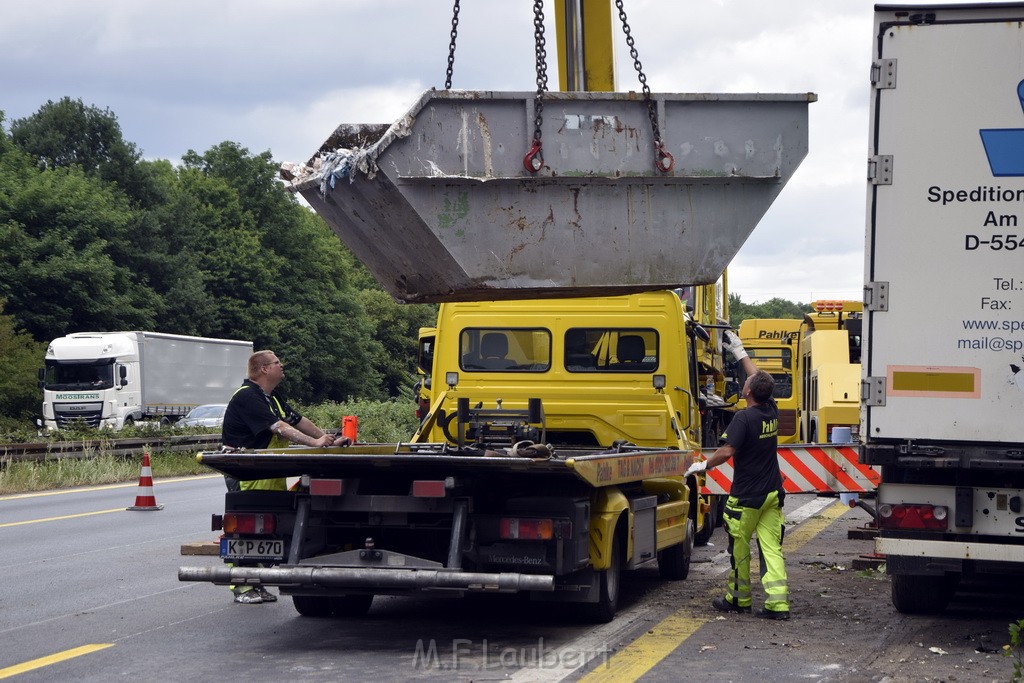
914	556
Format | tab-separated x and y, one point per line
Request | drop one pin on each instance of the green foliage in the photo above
102	468
388	421
773	308
394	325
379	421
69	134
20	396
1015	650
93	238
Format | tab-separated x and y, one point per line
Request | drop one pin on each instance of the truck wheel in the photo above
608	589
356	605
674	561
719	505
915	594
312	605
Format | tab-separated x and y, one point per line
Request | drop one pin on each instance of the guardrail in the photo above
87	448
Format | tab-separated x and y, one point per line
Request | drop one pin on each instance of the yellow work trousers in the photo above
744	517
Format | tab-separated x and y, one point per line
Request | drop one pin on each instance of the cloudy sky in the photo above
279	76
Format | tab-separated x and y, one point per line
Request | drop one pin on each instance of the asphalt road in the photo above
89	592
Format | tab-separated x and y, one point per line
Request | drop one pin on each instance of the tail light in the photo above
522	528
250	523
905	516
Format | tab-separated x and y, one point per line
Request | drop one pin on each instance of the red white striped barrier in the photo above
145	500
808	468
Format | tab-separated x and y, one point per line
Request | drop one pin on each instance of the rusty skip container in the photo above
440	207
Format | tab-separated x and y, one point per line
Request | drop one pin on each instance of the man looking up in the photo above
756	497
257	418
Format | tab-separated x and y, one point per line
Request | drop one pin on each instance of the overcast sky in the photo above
279	76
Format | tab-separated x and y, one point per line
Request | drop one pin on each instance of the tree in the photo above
20	396
396	330
773	308
56	269
278	274
68	133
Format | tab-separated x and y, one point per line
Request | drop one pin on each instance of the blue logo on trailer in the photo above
1004	147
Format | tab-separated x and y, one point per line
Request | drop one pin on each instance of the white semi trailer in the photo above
944	298
114	379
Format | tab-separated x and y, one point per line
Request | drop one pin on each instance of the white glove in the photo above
696	467
731	342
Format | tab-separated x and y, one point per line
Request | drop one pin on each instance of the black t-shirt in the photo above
250	415
754	433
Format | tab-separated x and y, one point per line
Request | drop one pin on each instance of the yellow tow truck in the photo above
492	203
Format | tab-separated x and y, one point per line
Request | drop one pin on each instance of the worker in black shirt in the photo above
257	418
756	497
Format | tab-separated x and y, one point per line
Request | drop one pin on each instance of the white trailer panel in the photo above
189	371
945	239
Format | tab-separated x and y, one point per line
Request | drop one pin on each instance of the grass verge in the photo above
379	422
24	477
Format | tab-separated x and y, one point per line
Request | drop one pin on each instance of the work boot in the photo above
772	614
249	597
723	605
265	594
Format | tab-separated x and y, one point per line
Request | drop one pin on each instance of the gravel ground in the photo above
844	627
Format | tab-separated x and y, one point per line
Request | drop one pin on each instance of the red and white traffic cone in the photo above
145	500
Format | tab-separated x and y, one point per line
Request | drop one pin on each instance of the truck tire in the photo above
312	605
674	561
607	603
915	594
355	605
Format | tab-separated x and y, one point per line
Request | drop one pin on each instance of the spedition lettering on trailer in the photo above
979	194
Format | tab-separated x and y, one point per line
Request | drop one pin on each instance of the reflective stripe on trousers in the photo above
742	519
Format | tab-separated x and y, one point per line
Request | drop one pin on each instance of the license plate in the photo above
251	548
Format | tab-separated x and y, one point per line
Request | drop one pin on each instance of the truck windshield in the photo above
65	376
767	359
783	380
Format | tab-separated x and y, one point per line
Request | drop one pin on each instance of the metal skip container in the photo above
440	206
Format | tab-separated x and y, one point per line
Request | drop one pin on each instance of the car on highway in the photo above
209	415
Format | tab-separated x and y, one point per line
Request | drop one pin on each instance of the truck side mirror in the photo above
41	373
123	371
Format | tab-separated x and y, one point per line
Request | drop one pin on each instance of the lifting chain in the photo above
451	46
663	160
534	159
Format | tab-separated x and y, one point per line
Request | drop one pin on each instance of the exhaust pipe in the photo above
370	578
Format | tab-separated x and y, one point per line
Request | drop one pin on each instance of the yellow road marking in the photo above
644	653
105	487
54	519
52	659
634	660
813	526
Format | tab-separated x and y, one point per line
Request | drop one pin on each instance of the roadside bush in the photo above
1015	650
379	421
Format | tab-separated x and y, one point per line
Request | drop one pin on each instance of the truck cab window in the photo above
505	349
611	350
